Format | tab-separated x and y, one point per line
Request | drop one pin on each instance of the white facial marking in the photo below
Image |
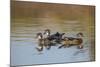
39	37
47	33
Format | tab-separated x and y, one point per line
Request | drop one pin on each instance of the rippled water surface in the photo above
23	41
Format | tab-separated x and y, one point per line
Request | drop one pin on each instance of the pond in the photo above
23	41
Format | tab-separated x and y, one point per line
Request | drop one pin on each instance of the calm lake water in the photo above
23	41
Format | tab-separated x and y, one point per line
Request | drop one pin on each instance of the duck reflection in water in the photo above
47	40
70	41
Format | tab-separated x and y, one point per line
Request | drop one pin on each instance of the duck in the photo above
70	41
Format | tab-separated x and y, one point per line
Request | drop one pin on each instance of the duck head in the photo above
80	35
39	36
47	32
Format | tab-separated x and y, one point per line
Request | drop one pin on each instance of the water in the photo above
23	41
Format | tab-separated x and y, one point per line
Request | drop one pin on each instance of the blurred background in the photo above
29	18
